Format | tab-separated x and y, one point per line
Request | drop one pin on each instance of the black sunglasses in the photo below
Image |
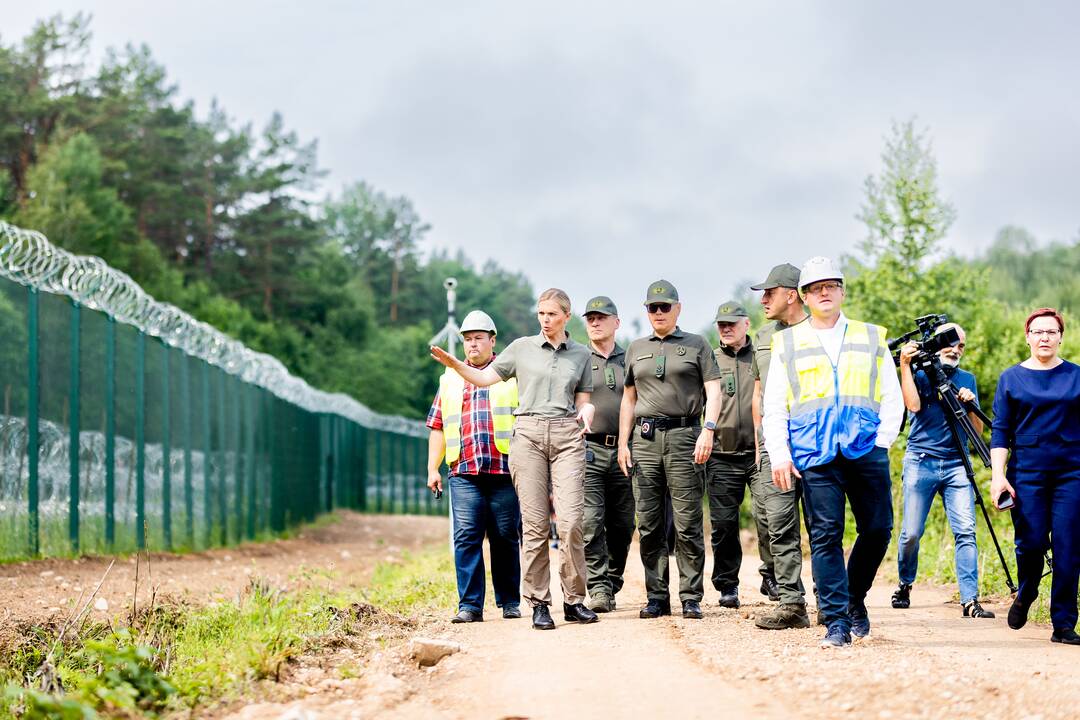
658	307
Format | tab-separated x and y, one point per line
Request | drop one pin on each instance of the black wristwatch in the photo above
710	425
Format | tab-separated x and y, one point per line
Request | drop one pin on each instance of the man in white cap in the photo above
832	408
471	426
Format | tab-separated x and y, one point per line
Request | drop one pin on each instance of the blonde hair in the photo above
559	296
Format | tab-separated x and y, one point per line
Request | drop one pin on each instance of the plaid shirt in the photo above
478	451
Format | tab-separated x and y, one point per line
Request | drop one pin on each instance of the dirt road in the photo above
926	662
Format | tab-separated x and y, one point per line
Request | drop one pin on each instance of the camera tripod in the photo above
961	428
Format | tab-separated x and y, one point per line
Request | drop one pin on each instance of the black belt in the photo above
602	439
669	423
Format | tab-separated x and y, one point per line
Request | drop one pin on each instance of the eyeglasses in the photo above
824	287
1044	333
654	308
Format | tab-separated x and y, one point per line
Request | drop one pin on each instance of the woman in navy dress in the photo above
1036	430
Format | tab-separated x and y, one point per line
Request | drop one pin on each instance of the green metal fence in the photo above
127	424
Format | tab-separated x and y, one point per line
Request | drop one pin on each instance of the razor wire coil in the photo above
28	258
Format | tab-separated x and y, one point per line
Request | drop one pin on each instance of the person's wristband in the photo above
710	425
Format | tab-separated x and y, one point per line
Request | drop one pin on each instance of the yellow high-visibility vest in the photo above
502	398
831	409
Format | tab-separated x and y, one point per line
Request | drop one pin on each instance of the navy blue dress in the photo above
1037	417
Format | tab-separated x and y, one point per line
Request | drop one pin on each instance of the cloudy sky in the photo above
598	146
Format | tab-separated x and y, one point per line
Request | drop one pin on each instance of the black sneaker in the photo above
1018	614
729	598
836	637
691	609
769	588
542	618
860	620
975	610
901	599
1067	636
654	609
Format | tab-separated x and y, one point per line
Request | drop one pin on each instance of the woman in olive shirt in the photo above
554	383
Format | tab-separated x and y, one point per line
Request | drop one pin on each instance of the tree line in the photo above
220	218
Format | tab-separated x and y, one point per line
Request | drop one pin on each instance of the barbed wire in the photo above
28	258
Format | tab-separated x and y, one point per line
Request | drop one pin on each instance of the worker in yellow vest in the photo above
471	427
832	407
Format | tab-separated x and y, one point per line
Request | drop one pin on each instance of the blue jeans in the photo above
866	484
486	504
925	477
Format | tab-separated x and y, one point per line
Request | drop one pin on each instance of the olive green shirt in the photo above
763	348
688	365
547	376
735	426
607	379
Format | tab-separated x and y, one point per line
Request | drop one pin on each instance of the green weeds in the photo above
175	657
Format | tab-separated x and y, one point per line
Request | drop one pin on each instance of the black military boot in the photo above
769	588
654	609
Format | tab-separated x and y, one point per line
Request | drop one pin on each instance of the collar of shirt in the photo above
541	341
676	334
746	348
615	352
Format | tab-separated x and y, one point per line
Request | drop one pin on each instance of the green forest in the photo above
221	218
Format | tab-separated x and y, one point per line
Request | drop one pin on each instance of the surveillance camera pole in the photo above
450	331
449	335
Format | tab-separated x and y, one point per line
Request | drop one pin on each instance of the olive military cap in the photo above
601	304
786	275
661	291
731	311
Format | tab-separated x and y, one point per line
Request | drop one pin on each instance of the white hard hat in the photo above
819	268
477	320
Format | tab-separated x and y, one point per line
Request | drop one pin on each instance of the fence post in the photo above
189	492
223	470
110	432
208	515
166	448
378	471
140	440
250	466
74	392
33	438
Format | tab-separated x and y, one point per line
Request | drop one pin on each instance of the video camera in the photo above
930	341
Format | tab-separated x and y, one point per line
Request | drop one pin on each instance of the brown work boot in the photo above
784	616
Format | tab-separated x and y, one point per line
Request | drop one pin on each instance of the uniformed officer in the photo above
731	467
783	308
671	377
609	496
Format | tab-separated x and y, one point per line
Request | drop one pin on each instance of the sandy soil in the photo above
47	589
925	662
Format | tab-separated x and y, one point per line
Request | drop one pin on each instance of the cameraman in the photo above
933	465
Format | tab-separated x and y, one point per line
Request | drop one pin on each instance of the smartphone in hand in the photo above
1005	500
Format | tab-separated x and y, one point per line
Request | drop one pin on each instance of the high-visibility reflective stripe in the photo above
829	401
504	434
452	419
875	361
502	411
809	352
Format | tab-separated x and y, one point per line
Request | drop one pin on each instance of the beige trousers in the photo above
543	452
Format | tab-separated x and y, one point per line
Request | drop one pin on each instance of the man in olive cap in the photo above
609	496
783	308
732	466
671	379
